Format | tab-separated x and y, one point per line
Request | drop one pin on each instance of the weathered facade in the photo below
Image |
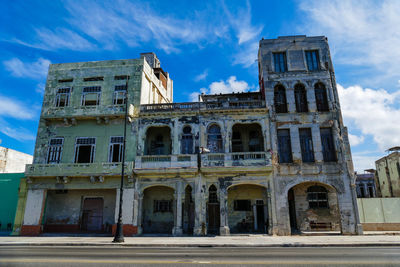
388	173
275	161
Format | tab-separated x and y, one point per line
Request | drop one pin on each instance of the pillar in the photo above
223	199
200	225
255	217
34	209
177	230
127	212
137	211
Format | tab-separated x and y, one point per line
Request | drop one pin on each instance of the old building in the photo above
388	173
12	161
275	161
366	184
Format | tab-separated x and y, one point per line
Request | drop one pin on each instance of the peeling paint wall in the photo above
388	174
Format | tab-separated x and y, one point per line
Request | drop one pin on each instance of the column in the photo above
127	212
223	199
200	225
312	105
177	230
290	100
316	139
34	208
295	142
255	217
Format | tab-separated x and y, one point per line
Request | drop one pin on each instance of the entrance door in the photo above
213	218
260	216
292	211
92	215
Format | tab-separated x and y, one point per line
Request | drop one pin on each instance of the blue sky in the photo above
206	46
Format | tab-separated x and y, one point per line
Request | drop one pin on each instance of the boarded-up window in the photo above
55	150
312	59
306	144
300	96
280	62
187	141
328	147
284	146
280	99
321	98
214	139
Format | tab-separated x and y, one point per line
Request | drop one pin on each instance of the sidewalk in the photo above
217	241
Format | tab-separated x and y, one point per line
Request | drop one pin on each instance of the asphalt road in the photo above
133	256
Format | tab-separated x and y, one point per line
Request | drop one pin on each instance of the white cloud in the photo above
20	134
356	140
15	109
363	33
373	112
231	85
201	77
40	88
364	161
34	70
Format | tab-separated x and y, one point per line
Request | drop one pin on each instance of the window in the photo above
162	206
317	197
312	59
306	144
116	149
212	194
91	96
242	205
62	97
280	99
255	143
214	139
65	80
55	150
187	141
91	79
328	147
280	62
84	149
321	97
284	146
121	77
119	95
300	96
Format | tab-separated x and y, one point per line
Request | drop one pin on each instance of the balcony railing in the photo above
166	161
193	106
84	111
77	169
236	159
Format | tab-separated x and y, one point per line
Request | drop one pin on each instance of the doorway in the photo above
292	212
92	215
213	211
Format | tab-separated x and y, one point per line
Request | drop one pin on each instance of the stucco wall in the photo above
379	210
12	161
67	208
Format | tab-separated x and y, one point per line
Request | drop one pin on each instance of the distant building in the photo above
365	185
12	161
388	173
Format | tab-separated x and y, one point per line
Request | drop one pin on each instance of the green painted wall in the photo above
9	185
379	210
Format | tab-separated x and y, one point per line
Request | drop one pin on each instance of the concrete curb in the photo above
381	244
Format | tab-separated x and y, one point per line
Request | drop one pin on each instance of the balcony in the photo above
85	111
203	106
245	161
77	169
145	164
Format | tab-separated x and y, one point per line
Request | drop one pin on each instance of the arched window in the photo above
321	98
214	139
187	141
280	99
317	197
212	194
300	96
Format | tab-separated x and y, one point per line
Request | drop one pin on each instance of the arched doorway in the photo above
247	209
188	211
313	207
158	210
213	211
